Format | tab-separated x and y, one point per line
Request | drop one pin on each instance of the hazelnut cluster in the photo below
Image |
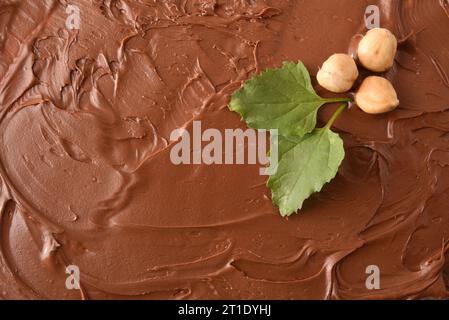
376	52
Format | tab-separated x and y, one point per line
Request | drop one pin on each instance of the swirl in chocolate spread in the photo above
86	179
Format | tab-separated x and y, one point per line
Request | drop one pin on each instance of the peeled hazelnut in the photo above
376	95
377	50
338	73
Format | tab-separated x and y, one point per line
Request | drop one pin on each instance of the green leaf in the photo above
305	165
282	99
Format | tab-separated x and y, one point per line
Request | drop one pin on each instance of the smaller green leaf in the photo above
282	99
305	165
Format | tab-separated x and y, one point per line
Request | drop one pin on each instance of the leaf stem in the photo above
332	100
335	115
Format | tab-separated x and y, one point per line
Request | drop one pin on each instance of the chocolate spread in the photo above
86	179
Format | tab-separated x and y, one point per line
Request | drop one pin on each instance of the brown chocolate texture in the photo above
86	177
